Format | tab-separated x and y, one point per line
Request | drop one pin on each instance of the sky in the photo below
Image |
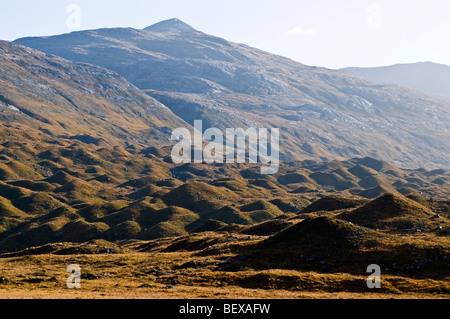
328	33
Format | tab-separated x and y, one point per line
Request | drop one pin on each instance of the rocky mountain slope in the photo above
322	113
63	99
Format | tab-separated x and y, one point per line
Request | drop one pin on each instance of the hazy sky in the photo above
329	33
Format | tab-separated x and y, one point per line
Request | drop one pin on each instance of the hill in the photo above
330	245
397	212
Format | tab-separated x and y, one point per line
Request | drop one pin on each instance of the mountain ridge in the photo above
428	77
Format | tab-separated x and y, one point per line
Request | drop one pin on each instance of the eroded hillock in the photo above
393	212
327	245
331	203
199	196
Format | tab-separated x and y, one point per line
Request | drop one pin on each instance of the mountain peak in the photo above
170	25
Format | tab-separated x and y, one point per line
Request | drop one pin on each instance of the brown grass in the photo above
165	275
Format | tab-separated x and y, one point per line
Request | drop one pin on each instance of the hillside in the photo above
393	211
74	101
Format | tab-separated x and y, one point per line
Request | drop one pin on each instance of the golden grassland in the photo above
143	275
151	270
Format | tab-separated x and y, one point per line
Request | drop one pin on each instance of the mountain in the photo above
428	77
64	99
322	114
